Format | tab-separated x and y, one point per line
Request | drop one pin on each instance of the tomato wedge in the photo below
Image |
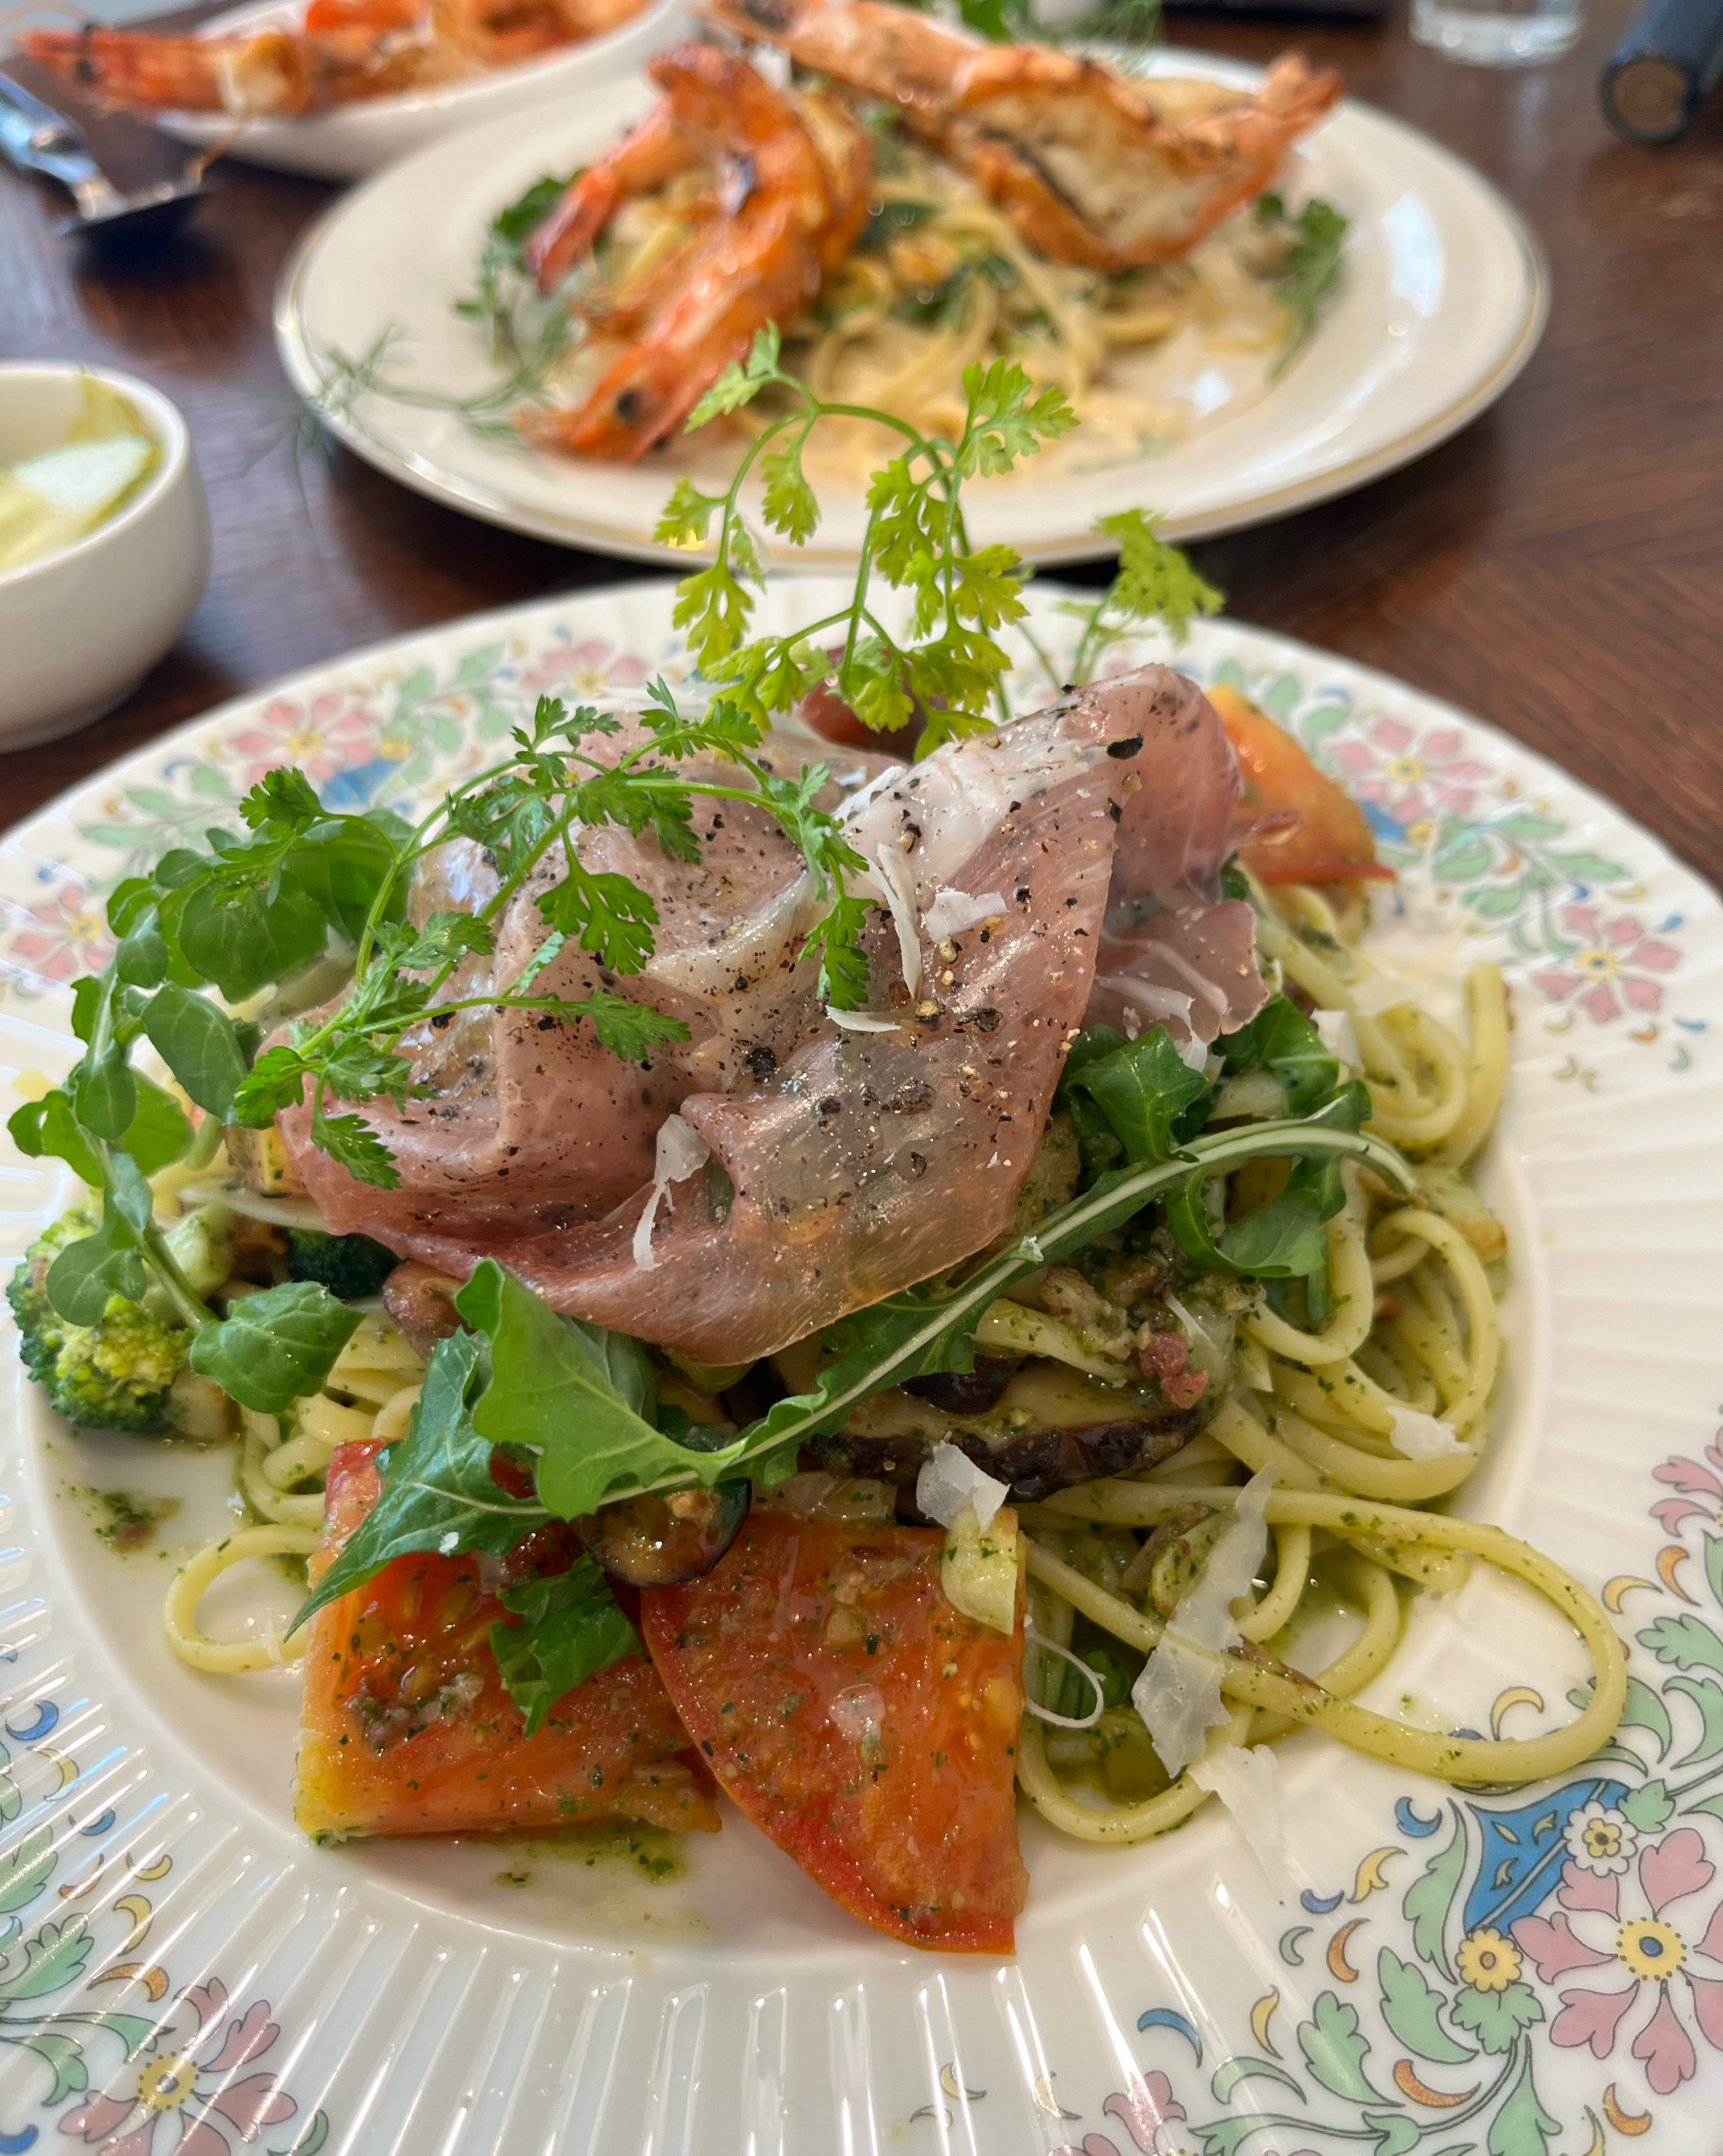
1331	842
857	1717
408	1728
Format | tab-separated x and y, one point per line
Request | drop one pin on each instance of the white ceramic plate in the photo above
354	140
1443	302
182	1966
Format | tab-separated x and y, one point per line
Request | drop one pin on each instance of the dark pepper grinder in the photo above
1664	69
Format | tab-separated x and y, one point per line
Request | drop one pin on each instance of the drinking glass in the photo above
1498	32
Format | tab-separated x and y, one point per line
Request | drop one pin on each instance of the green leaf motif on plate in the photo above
1645	1710
63	2055
1707	1696
1496	2018
1335	2050
53	1956
1430	1896
1411	2007
1647	1807
1522	2127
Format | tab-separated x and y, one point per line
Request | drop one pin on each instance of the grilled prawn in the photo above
344	50
788	193
1091	167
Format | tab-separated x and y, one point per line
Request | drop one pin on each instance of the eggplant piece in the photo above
968	1392
1050	1427
660	1541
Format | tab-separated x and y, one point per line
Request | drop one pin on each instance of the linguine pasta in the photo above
1363	1413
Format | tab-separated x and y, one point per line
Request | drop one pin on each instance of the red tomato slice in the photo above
1332	842
408	1728
857	1717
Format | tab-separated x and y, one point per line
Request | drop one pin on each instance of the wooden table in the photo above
1557	569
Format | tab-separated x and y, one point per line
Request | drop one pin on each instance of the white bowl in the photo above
80	628
354	140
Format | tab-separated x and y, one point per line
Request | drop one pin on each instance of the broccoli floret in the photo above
127	1372
352	1267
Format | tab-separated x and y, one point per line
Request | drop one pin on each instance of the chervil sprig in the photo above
1155	583
947	672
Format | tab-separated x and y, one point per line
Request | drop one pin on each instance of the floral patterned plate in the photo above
1526	1972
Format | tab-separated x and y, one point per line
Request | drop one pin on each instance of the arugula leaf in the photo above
581	1397
572	1628
276	1347
1280	1039
1286	1239
916	1333
437	1491
1141	1086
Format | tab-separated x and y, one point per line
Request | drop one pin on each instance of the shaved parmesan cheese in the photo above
898	878
1242	1777
1339	1037
1421	1436
949	1480
952	911
1178	1694
680	1149
862	1021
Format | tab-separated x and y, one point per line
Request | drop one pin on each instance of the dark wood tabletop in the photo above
1557	569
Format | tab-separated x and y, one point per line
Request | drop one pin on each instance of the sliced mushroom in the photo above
660	1541
421	1301
1050	1427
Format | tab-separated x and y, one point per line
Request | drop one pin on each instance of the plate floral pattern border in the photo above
1522	1973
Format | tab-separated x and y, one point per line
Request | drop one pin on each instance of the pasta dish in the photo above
913	202
746	1266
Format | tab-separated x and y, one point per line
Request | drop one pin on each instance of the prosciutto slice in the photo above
844	1160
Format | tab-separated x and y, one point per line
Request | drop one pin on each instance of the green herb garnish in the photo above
1308	270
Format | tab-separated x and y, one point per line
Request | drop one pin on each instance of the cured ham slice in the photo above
846	1157
532	1126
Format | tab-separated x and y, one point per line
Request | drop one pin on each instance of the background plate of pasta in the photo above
1445	1498
527	349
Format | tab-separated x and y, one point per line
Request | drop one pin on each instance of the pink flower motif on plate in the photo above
587	668
1149	2113
68	936
1613	1934
1613	969
190	2084
1701	1491
1412	778
330	734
